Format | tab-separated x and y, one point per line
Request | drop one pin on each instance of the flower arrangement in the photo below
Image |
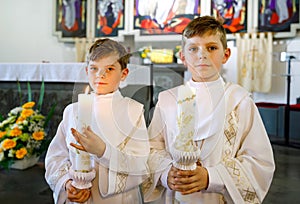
22	133
145	52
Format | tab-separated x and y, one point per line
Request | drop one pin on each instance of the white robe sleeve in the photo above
159	161
247	166
57	164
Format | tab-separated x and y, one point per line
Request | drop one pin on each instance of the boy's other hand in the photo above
77	195
88	141
188	181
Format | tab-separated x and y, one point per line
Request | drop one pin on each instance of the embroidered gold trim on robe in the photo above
241	181
53	180
121	176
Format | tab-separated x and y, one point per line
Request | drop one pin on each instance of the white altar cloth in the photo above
63	72
50	72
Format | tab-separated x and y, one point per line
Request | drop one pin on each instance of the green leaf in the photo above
20	92
6	163
49	115
42	93
29	92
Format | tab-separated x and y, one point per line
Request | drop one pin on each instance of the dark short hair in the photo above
205	25
105	47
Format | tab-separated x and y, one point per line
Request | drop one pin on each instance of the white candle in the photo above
84	109
185	152
185	92
82	160
185	118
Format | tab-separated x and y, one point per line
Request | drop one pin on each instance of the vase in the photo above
25	163
146	61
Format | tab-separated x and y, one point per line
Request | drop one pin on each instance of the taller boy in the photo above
236	163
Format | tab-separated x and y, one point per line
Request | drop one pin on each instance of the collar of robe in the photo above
114	116
209	108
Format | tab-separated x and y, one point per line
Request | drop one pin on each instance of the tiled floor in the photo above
24	186
285	187
29	187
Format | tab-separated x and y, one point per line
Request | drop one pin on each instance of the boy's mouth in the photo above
100	83
202	65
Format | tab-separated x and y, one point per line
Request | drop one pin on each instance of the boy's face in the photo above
204	57
105	74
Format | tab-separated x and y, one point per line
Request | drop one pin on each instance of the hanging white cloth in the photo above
255	61
82	45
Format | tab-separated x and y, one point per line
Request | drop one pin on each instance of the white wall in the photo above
26	33
26	36
294	45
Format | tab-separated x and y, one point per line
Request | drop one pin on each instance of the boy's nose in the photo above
202	53
101	72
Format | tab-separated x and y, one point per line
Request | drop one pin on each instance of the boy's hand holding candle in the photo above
89	142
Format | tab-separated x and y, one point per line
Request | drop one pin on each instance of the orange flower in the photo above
38	135
2	133
28	105
26	113
15	132
20	153
20	119
8	144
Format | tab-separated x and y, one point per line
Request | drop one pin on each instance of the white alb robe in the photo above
119	121
235	149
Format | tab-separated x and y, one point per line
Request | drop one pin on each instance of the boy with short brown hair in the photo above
208	142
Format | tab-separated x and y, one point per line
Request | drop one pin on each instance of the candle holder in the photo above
184	160
82	180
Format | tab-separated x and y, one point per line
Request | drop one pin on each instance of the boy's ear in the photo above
124	74
182	57
227	54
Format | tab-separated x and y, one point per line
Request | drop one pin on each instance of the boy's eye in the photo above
93	69
193	49
212	48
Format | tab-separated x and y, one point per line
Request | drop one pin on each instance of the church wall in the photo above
26	36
